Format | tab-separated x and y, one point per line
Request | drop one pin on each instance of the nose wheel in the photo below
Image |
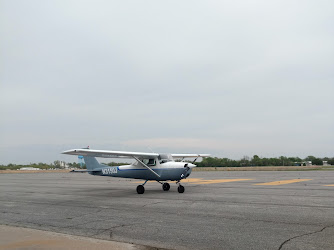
180	189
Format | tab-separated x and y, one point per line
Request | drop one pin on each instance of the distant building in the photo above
29	168
63	165
325	163
303	163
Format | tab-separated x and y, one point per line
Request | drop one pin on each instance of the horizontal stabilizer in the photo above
84	171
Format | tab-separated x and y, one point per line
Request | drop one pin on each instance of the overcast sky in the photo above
229	78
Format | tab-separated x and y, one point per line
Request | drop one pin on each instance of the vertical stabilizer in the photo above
92	163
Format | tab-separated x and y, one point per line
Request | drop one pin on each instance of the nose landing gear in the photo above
180	189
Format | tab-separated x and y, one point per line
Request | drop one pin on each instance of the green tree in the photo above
256	161
317	161
56	164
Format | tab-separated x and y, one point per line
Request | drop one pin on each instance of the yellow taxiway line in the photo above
218	181
191	180
332	185
275	183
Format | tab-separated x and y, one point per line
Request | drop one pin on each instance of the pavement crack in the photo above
87	214
101	231
302	235
154	203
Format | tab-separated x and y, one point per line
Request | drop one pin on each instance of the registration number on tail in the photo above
109	171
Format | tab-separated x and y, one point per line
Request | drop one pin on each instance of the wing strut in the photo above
144	165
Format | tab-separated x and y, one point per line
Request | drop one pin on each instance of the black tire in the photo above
140	189
180	189
165	186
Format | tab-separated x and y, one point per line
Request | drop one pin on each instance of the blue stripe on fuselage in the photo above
165	173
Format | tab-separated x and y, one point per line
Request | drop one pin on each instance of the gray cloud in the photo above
223	77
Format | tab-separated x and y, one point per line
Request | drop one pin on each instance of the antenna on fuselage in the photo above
151	150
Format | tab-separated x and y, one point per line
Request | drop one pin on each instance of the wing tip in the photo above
69	152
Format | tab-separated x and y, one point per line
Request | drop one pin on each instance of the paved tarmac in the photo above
27	238
219	210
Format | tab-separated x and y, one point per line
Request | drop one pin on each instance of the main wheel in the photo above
165	186
140	189
180	189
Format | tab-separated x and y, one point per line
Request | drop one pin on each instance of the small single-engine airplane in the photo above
148	166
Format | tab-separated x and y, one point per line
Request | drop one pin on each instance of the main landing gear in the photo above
165	186
140	188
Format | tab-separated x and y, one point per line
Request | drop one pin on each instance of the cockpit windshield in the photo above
165	158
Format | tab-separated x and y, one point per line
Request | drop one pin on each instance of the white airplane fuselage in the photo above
167	171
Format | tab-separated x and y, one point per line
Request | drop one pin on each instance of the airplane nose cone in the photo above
191	165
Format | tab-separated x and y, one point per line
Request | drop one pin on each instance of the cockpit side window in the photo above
149	162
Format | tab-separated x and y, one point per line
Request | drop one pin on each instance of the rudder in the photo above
92	163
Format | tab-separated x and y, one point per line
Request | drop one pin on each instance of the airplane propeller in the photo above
186	169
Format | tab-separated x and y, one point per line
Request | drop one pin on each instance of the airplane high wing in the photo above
116	154
189	155
109	154
125	154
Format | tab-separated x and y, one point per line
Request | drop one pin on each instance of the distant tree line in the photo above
54	165
31	165
258	161
206	162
